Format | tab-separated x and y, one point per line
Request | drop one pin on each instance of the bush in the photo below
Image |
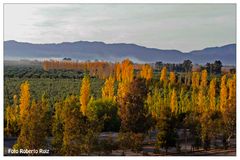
105	110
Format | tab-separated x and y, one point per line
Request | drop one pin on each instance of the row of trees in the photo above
98	69
206	108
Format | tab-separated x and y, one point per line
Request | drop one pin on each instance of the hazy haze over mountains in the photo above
85	50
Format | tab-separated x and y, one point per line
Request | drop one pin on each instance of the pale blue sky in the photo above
184	27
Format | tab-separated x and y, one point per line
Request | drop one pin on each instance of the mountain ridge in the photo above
87	50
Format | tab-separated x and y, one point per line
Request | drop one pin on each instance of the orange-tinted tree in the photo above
24	100
108	88
84	94
146	72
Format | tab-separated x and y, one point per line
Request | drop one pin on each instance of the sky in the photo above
184	27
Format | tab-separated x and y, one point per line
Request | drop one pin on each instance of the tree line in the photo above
205	107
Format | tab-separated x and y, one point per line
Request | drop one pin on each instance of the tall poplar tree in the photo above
84	94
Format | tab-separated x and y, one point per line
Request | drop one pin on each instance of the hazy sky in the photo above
165	26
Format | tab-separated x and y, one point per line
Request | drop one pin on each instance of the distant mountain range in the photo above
84	50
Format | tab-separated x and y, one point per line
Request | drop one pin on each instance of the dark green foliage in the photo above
57	128
38	72
192	122
55	89
132	112
79	132
34	128
105	110
167	135
214	68
187	65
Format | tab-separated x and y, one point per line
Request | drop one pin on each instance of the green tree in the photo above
105	110
79	133
33	134
57	128
166	135
132	111
135	121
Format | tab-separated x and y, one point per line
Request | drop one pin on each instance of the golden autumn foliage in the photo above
163	77
212	94
232	88
204	79
127	71
201	100
122	90
99	69
223	94
184	104
24	99
146	72
12	117
84	94
195	80
108	88
166	101
155	103
118	75
172	77
174	102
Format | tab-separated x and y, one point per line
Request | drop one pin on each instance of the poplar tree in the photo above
212	94
195	80
127	71
163	77
172	78
204	79
24	100
118	71
146	72
108	88
223	94
174	102
33	134
84	94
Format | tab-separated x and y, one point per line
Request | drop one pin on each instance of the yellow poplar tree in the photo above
212	94
204	79
172	77
8	116
12	117
163	77
108	88
24	99
146	72
154	103
232	88
201	100
122	89
85	94
195	80
174	103
127	71
118	71
223	94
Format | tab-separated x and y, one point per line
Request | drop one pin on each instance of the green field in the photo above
55	89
